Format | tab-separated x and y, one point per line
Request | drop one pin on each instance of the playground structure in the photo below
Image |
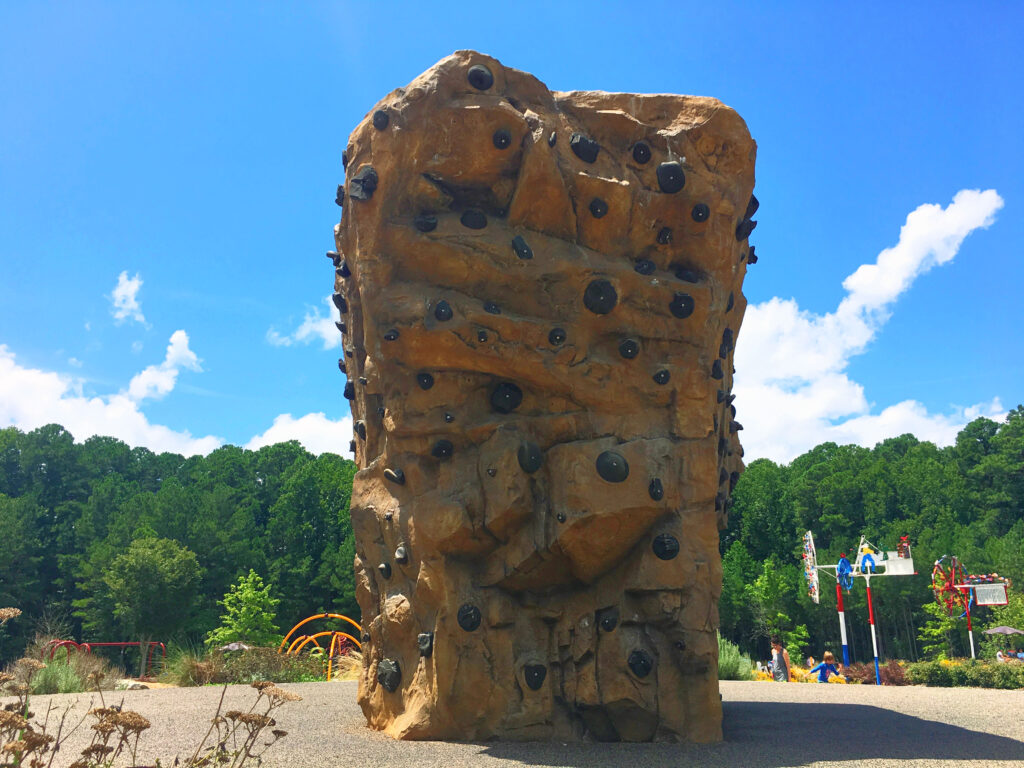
870	561
956	591
294	645
68	645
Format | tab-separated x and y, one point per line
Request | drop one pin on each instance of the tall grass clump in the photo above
189	666
732	665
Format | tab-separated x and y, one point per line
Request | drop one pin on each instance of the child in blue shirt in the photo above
826	668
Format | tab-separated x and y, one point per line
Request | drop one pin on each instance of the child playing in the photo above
780	661
826	668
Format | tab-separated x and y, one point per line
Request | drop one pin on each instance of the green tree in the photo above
249	614
152	585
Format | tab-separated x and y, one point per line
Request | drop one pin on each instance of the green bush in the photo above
732	665
974	674
186	667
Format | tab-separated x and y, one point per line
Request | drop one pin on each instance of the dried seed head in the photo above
281	694
260	685
11	721
131	722
6	614
14	747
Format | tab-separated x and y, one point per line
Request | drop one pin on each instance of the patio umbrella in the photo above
1003	631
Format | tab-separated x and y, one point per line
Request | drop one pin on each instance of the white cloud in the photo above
124	299
314	326
136	347
74	362
156	381
317	433
31	398
791	383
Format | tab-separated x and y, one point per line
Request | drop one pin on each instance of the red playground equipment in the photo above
69	645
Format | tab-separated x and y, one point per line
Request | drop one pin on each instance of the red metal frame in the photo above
53	645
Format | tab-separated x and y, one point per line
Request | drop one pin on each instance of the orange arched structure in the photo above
295	645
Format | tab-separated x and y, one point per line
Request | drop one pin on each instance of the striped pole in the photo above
842	625
874	640
970	632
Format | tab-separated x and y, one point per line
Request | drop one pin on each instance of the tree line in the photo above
121	543
124	543
965	500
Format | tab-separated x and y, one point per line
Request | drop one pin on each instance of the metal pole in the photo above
874	639
970	631
842	624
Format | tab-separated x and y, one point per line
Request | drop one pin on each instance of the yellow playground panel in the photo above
294	645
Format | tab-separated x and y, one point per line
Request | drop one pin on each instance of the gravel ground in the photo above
766	724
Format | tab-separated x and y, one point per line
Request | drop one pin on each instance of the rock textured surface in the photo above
539	295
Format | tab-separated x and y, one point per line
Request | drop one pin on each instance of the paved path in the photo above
766	724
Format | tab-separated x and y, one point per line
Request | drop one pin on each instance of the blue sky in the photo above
197	146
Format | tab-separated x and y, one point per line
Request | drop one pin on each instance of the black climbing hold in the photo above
752	207
385	570
351	446
481	336
641	152
363	184
716	369
732	411
341	365
743	230
448	418
644	266
340	303
735	426
344	159
380	411
722	476
425	222
686	274
664	236
401	554
682	305
473	219
492	308
727	339
715	428
534	675
752	258
552	139
598	208
480	77
339	196
560	517
720	396
361	429
425	643
380	119
506	397
530	457
468	617
502	139
491	471
363	380
662	377
443	311
730	303
734	477
344	271
334	256
681	646
557	336
600	297
629	349
639	662
389	674
391	335
396	476
723	446
700	212
655	490
425	380
671	178
612	467
442	450
350	390
519	245
731	398
608	619
584	147
665	546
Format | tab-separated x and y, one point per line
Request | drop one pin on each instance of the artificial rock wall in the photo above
539	297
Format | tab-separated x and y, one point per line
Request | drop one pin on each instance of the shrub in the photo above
249	614
732	665
187	667
973	673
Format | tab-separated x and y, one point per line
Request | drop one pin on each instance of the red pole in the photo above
874	640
